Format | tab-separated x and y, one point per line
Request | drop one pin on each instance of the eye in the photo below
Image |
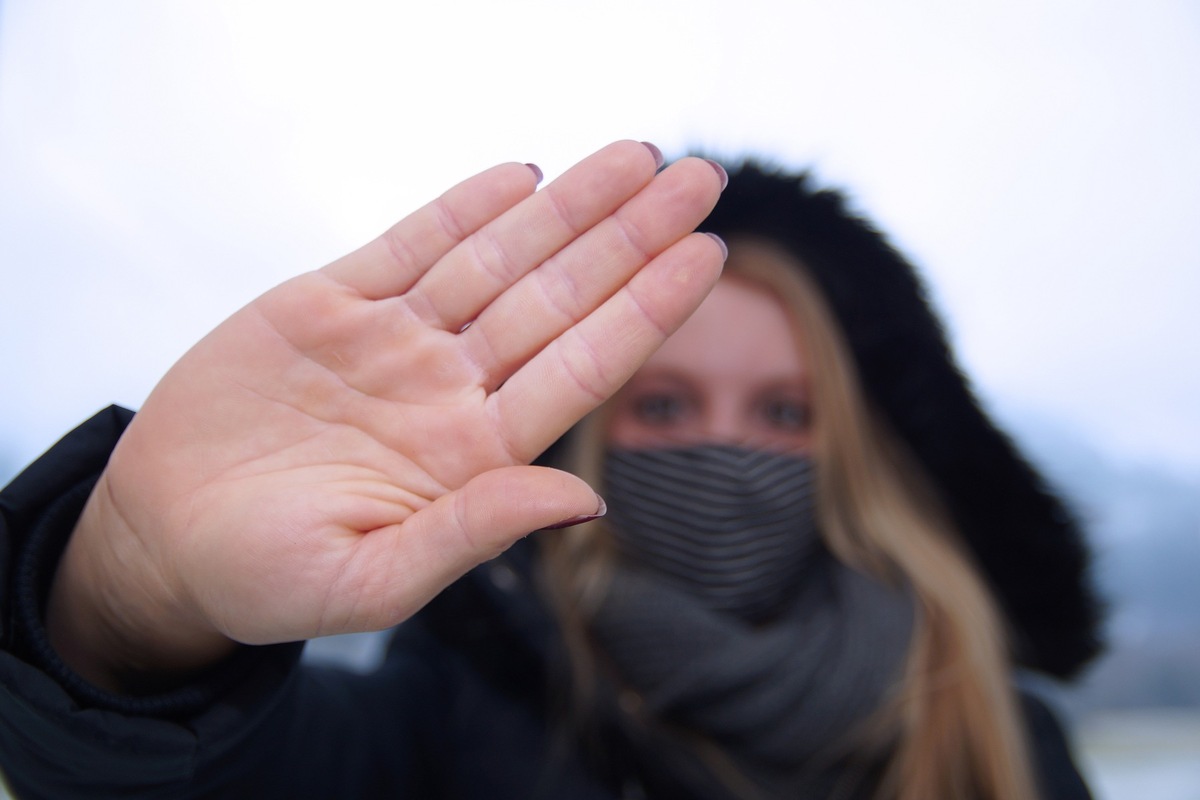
659	408
785	413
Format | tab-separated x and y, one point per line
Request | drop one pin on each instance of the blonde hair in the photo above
952	726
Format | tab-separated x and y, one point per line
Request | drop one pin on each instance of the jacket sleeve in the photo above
1058	776
258	726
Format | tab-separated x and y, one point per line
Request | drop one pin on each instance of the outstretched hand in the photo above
344	447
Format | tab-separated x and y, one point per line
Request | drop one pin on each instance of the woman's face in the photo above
734	373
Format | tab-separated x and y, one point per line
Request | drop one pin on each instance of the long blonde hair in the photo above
952	725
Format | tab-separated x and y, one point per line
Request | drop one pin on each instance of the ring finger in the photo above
457	289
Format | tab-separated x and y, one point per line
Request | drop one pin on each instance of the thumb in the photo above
466	527
493	510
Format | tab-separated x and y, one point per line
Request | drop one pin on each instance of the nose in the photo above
724	424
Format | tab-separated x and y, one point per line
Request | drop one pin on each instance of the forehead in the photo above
742	331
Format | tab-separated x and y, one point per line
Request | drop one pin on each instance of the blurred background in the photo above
162	164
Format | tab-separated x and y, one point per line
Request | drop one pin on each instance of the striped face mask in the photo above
733	527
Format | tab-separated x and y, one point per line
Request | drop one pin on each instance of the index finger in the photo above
585	365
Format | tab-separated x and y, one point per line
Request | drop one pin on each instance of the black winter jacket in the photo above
460	707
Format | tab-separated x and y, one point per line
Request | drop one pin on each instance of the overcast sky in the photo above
163	163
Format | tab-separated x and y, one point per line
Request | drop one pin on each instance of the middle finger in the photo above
578	279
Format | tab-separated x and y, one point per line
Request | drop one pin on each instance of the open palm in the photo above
341	449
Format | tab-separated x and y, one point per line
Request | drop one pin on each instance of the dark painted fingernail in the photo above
721	242
720	172
659	159
536	171
601	510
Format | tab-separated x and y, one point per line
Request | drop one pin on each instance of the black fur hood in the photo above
1028	545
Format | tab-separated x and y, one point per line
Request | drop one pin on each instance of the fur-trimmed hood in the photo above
1028	545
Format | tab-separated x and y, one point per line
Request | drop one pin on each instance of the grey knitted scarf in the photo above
780	696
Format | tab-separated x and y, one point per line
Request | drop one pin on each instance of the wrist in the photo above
113	619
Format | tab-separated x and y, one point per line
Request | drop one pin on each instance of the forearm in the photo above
53	741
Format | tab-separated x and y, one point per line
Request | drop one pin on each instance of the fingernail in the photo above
536	171
721	242
659	159
720	172
601	510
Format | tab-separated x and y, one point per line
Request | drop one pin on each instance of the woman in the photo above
818	547
838	661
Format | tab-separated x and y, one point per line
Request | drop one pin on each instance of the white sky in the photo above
162	163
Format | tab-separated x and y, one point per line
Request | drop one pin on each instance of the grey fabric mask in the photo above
733	527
